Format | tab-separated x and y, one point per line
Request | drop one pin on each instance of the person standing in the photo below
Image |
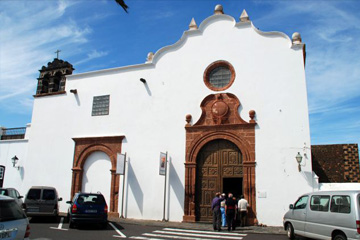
222	210
243	208
230	210
215	207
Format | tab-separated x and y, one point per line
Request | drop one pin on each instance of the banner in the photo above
120	164
162	167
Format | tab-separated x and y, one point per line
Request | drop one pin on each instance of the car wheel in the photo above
339	236
71	223
104	225
290	231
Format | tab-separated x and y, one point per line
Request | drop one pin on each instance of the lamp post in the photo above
299	159
14	160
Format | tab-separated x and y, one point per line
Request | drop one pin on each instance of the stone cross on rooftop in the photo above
57	53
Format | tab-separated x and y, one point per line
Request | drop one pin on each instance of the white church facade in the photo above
227	103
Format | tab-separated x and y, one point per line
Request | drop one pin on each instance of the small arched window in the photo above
45	84
57	80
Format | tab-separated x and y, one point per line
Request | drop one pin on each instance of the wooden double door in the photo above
219	168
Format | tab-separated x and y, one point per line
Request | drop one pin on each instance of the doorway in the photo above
97	176
219	165
234	186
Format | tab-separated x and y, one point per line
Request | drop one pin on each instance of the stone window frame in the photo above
214	65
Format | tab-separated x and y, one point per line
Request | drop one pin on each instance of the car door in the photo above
32	200
48	200
318	218
15	195
298	215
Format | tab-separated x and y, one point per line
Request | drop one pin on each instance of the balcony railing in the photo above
13	133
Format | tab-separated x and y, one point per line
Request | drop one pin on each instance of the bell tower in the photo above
52	78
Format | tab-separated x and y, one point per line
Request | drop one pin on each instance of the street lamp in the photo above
299	159
14	160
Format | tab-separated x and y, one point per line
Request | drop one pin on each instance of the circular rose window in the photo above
219	75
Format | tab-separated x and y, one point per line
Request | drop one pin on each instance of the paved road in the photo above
45	229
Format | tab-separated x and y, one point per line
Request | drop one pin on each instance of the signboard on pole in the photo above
162	166
120	164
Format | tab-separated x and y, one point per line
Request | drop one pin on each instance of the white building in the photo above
227	102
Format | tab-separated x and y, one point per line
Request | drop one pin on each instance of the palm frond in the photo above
122	4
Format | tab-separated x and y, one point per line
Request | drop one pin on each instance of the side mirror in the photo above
69	202
60	199
291	206
20	197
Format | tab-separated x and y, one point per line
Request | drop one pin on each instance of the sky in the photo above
98	34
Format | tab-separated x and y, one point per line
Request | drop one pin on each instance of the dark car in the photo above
87	208
13	193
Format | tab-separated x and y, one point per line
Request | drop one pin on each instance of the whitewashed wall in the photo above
14	177
270	79
97	175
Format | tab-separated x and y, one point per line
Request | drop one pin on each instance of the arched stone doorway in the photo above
84	147
219	168
220	119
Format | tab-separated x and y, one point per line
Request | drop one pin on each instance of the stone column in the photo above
189	208
250	191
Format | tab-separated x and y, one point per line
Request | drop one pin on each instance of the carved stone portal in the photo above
220	120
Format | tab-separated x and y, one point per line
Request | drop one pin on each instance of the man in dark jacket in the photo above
230	211
215	207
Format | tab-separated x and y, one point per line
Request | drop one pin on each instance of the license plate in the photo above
8	234
90	211
33	209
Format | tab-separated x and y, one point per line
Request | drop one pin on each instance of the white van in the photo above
42	201
331	215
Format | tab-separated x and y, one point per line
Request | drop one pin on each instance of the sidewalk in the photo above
198	226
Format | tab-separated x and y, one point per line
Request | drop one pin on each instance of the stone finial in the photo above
193	25
252	116
150	57
244	16
219	9
188	120
296	38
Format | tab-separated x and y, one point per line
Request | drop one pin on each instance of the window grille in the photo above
101	105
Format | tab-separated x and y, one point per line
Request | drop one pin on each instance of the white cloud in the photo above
92	55
28	39
331	32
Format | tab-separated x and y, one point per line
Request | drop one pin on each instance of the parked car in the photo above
13	193
13	221
42	201
87	208
325	215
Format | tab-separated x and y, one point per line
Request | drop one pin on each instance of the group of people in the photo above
225	210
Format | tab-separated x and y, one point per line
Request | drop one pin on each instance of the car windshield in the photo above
10	211
90	199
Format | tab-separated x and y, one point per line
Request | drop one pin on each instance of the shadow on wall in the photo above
148	89
22	173
133	183
176	185
310	179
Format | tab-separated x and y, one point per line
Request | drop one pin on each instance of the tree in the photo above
122	4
